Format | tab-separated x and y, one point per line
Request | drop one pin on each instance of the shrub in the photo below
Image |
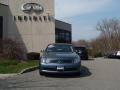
10	49
98	55
33	56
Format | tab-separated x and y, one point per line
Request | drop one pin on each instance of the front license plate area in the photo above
60	68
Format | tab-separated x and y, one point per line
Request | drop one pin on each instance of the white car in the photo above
118	53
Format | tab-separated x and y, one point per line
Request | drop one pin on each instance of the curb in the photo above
3	76
28	69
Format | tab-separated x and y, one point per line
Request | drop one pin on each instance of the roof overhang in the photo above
63	25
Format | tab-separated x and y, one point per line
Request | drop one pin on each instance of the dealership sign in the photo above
32	7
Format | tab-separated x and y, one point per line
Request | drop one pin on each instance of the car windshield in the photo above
59	48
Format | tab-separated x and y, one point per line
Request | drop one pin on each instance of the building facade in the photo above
32	23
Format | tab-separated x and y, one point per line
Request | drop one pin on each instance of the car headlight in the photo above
47	61
44	60
77	60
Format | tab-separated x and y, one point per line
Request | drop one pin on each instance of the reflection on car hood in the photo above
59	55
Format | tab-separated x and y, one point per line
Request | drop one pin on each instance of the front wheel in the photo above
78	73
40	72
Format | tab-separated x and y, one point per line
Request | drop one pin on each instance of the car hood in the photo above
60	55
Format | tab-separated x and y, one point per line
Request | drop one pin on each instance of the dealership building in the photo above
32	23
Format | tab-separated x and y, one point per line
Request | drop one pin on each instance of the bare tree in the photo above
81	43
108	40
110	32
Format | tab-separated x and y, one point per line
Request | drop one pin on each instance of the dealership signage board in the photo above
32	7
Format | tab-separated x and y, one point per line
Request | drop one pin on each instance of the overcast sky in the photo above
84	15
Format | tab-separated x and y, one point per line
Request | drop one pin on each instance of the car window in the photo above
59	48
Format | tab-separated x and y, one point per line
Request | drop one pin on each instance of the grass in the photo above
15	66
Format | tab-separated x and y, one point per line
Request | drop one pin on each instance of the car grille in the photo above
61	61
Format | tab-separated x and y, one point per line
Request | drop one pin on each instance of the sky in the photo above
85	14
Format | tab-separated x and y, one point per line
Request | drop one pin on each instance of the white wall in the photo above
35	35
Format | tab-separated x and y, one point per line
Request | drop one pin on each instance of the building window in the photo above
57	37
62	36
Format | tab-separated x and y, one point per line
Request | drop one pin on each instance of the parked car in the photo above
115	54
118	54
59	58
82	52
109	55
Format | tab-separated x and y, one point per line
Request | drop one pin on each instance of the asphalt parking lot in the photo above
97	74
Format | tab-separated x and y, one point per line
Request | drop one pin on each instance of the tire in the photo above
40	72
77	73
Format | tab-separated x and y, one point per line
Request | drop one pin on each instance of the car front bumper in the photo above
53	68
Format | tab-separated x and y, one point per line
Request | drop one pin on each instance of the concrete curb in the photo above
3	76
28	69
